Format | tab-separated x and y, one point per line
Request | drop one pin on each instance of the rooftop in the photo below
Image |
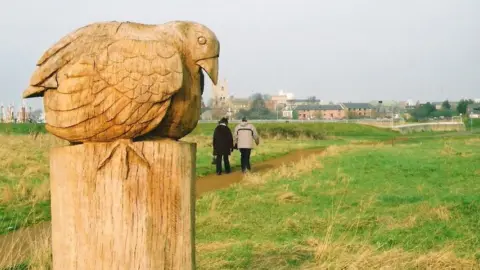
350	105
318	107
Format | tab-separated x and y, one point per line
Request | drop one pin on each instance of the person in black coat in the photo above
222	145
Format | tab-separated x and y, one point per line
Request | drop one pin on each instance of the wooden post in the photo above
117	204
129	213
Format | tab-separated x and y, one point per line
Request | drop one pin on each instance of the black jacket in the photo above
222	140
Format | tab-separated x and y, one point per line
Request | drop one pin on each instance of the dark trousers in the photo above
245	159
226	162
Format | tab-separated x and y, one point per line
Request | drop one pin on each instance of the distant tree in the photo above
258	103
440	113
446	105
257	110
429	107
280	106
295	114
242	113
463	104
311	99
210	103
35	115
267	97
421	112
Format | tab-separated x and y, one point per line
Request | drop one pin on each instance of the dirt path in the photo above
214	182
15	247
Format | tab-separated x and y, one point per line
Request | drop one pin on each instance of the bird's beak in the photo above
210	65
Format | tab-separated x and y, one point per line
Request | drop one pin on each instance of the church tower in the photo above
220	95
221	103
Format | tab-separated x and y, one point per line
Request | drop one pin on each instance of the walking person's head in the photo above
224	121
244	119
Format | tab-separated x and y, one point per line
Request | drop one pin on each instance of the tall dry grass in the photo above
24	163
32	243
201	140
340	255
295	170
337	255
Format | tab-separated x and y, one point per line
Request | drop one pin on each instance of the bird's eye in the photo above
202	40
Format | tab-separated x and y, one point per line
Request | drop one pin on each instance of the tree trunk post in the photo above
133	210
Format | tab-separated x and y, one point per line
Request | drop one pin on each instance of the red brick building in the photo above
358	110
312	112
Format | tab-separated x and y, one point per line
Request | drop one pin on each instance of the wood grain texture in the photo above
124	80
102	221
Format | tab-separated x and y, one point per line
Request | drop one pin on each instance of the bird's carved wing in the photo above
106	85
63	52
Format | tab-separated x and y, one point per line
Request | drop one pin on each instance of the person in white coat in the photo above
244	137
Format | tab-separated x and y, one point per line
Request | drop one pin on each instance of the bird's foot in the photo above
123	145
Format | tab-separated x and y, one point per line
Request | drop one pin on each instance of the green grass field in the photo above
21	128
472	124
24	185
365	203
402	206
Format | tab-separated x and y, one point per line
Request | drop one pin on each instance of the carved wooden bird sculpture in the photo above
119	81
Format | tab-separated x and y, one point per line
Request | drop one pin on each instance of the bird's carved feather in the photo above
107	81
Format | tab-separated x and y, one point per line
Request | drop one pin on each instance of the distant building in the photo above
221	103
238	104
311	112
8	114
280	100
271	105
287	114
410	102
403	104
473	110
292	104
220	94
358	110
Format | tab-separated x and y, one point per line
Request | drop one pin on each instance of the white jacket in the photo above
244	135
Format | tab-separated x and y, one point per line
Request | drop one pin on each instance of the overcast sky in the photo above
348	50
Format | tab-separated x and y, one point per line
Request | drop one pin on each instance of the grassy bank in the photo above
412	205
308	130
266	130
